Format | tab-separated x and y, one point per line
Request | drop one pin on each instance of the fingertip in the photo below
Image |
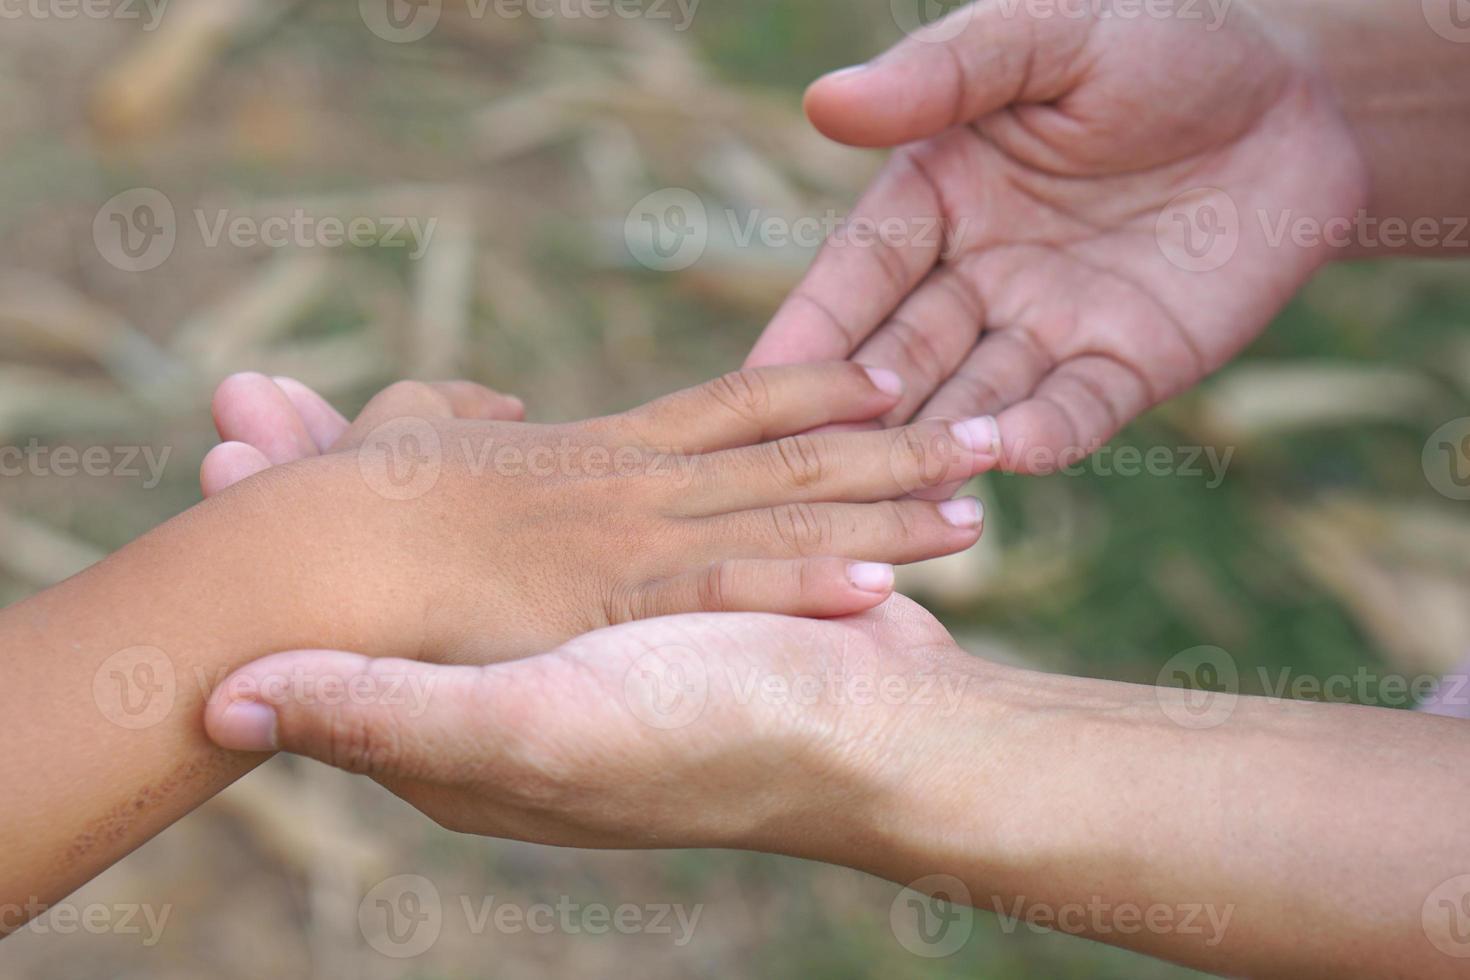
242	726
227	464
875	578
886	381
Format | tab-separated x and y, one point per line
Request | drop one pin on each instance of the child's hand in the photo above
513	537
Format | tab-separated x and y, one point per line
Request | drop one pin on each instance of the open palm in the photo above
1085	216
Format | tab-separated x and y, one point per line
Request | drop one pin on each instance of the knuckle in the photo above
913	450
355	745
802	529
745	394
717	587
900	519
797	461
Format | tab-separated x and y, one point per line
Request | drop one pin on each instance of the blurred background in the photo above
491	164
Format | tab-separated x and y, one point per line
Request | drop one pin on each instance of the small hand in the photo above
711	516
1040	263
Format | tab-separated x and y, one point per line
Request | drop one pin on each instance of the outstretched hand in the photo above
1115	195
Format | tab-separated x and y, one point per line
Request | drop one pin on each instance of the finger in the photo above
324	423
927	338
1074	411
1005	368
854	467
437	400
380	717
252	409
977	60
227	464
896	532
755	405
883	250
810	587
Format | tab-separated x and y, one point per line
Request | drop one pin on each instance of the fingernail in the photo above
966	512
247	726
885	380
981	436
848	72
871	576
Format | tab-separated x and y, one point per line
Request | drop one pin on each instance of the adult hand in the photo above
702	730
1111	191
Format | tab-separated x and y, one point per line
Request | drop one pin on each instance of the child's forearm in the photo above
107	673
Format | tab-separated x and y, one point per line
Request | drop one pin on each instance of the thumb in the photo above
380	717
975	61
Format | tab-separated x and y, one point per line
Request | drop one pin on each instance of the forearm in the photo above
1292	839
107	673
1406	92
